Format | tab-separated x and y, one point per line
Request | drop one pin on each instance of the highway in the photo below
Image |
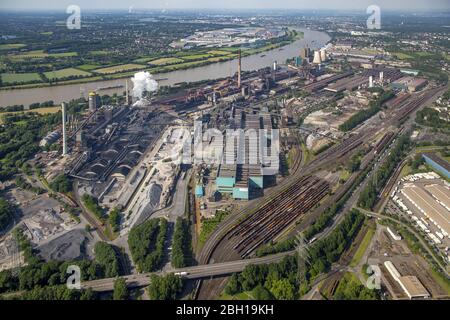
195	272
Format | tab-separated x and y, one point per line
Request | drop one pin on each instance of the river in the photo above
61	93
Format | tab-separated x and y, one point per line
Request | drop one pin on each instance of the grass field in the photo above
99	52
40	54
362	247
88	67
197	57
165	61
8	78
65	73
119	68
219	52
46	110
11	46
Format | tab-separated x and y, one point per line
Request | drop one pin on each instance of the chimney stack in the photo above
64	134
239	68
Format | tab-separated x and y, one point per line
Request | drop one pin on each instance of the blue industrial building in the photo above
239	180
437	163
199	192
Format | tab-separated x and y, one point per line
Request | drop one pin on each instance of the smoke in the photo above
143	82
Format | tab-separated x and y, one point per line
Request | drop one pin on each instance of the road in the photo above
195	272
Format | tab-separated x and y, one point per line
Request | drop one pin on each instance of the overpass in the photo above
194	272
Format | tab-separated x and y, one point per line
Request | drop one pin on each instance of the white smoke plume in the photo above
143	81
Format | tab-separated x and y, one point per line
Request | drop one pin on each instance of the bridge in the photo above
194	272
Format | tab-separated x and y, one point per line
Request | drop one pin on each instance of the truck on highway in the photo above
182	274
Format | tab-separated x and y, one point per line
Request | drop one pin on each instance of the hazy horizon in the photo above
388	5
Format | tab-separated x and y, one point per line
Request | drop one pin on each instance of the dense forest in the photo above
146	243
181	244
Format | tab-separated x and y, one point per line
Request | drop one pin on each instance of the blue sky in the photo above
405	5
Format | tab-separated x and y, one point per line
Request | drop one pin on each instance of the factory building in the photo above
412	286
245	178
409	84
437	163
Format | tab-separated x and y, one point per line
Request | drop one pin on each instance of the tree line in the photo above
146	242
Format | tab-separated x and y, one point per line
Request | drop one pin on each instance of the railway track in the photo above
273	217
280	193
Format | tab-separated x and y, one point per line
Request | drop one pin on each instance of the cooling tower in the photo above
317	59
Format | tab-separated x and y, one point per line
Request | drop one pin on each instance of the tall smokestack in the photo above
64	134
370	81
381	77
239	68
127	94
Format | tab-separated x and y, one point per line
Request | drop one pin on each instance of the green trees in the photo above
19	137
114	219
106	256
282	289
181	244
92	205
350	288
233	285
61	184
120	289
431	118
368	196
354	163
146	243
165	288
57	293
6	213
363	115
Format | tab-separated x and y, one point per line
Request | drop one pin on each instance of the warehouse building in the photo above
437	163
409	84
412	286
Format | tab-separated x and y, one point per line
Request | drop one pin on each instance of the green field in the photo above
88	67
65	73
218	52
165	61
9	78
119	68
362	247
40	54
197	57
99	52
11	46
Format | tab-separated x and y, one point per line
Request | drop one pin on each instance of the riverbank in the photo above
202	61
213	71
